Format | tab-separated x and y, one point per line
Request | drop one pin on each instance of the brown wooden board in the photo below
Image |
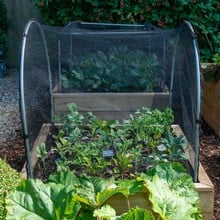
41	138
211	105
109	105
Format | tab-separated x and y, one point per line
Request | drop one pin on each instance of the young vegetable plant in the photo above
106	72
102	148
41	153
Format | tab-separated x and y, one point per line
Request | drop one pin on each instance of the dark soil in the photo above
14	153
210	159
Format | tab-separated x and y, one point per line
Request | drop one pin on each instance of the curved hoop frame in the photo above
21	89
22	98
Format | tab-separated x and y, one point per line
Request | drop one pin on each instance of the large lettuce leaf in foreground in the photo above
65	196
35	200
137	214
172	192
95	191
106	212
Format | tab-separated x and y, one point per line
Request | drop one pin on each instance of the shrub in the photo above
3	25
203	15
9	180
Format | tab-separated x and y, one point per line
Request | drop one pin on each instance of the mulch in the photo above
14	153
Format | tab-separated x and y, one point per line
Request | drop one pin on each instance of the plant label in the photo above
108	153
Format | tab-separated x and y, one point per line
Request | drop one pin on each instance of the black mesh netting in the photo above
106	58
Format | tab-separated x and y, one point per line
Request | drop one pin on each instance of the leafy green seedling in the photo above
41	153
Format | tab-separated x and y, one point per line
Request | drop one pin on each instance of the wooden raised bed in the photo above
211	105
204	187
109	105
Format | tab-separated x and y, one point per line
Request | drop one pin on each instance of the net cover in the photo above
111	70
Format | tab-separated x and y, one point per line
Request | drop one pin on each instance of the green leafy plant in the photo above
211	71
9	180
42	201
171	189
137	214
103	148
65	196
41	152
105	212
106	72
204	16
176	145
216	58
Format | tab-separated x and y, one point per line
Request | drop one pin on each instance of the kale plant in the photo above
120	69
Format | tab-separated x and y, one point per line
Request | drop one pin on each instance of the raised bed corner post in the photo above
21	90
198	101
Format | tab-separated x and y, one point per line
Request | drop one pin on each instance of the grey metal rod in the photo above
22	101
22	96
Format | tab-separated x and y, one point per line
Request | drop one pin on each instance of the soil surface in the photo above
13	151
210	159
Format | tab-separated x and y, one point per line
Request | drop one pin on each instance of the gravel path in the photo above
10	122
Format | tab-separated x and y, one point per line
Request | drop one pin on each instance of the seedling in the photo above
97	147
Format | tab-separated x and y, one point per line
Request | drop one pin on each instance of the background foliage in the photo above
3	25
204	15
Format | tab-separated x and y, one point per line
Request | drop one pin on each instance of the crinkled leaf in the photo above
168	171
167	203
131	187
172	192
65	178
137	214
108	193
105	212
36	200
94	191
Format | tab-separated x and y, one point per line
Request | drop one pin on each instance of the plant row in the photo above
86	144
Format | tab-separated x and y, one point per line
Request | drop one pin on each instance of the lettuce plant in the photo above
65	196
171	189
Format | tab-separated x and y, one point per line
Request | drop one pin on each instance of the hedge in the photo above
203	15
3	25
